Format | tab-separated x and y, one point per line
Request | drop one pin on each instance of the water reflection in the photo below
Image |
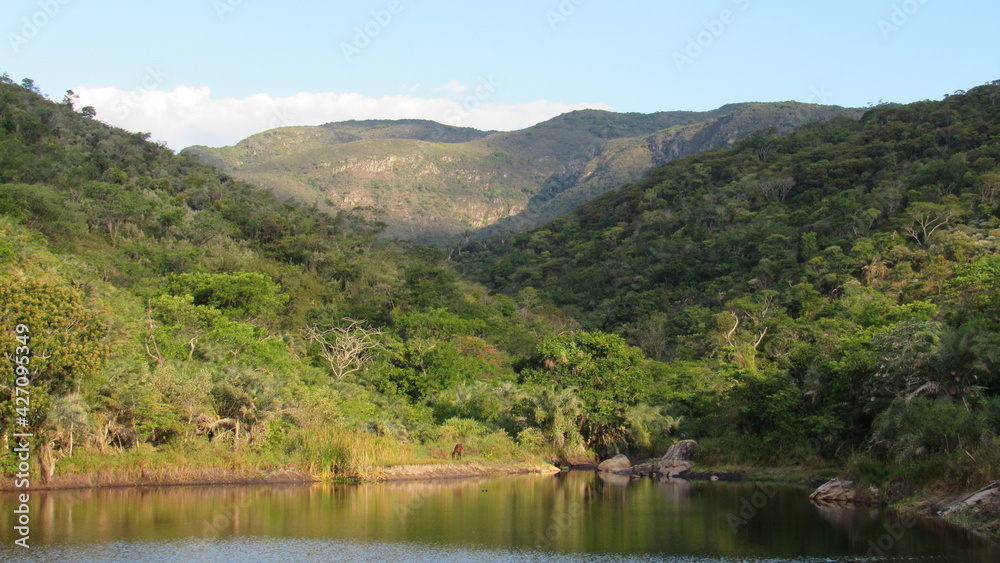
576	515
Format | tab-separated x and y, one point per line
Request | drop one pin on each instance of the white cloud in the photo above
188	116
453	86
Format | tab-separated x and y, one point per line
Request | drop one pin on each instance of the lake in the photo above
578	516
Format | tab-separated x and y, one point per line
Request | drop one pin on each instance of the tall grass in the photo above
345	454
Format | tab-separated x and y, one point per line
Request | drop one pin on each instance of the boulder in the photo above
616	464
986	499
681	451
674	468
838	490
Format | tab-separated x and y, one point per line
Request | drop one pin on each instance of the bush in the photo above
908	429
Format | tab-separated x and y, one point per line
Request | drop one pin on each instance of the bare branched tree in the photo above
773	189
926	218
347	349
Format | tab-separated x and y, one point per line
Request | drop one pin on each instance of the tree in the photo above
922	219
90	112
67	337
649	428
609	375
29	85
930	359
70	99
113	206
242	295
557	412
772	190
346	349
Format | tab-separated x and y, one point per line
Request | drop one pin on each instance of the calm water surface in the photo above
571	517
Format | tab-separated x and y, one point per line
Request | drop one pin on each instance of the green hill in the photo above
432	182
168	321
840	282
825	299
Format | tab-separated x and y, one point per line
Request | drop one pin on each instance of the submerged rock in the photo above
839	490
616	464
671	468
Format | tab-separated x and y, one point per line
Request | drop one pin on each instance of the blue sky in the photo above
214	71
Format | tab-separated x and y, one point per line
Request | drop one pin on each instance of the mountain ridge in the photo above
434	182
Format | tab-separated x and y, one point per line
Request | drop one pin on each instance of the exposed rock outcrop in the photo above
981	509
619	463
681	451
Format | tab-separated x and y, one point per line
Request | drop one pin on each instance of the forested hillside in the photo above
169	318
437	183
827	292
826	297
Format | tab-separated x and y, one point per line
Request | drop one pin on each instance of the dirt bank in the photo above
170	476
458	470
166	476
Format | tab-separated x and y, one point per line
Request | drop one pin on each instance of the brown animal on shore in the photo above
457	453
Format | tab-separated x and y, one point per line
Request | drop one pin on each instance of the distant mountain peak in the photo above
433	182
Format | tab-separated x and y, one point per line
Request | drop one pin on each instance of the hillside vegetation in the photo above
436	183
831	291
168	319
823	298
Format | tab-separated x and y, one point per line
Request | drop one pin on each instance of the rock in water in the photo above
616	464
838	490
681	451
674	468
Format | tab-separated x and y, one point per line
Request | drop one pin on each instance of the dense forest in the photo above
822	298
179	318
832	293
